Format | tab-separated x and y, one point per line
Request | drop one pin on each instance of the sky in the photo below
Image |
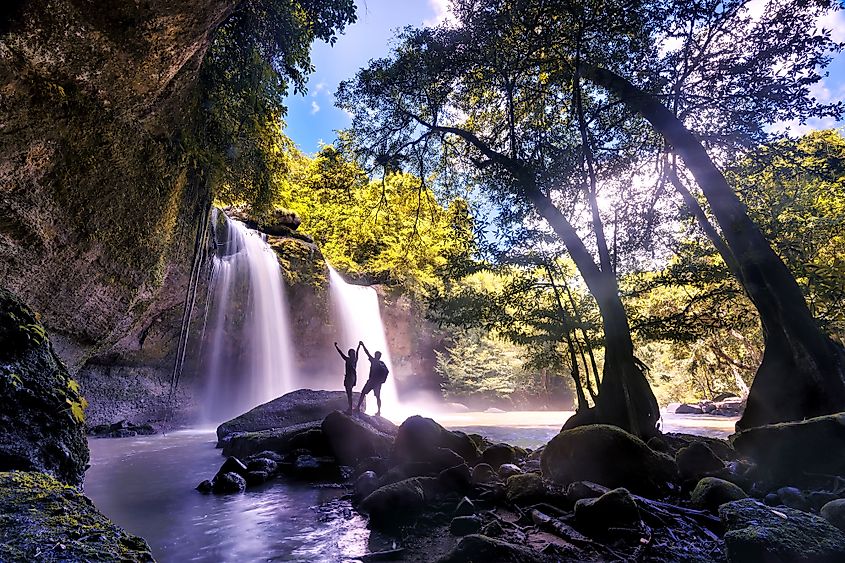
312	119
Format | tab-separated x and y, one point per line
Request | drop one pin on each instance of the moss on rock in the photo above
44	520
711	492
41	408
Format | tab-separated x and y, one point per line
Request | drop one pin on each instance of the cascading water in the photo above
247	350
360	320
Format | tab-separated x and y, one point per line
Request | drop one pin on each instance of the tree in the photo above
477	95
256	55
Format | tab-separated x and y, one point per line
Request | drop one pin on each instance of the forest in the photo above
592	253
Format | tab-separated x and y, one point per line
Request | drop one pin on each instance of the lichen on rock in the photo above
41	408
44	520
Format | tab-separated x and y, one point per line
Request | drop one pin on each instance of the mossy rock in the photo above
41	408
606	455
759	533
785	453
525	488
44	520
712	492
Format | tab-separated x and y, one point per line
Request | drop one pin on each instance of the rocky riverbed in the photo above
593	493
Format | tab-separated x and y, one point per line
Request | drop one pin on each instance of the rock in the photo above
608	456
731	406
38	514
793	498
375	464
479	548
525	488
42	411
279	222
205	486
495	410
483	473
708	407
614	509
263	464
722	448
583	490
458	478
507	470
312	468
279	440
224	483
785	452
658	444
818	499
353	438
497	454
759	533
444	458
688	409
834	512
465	507
537	454
295	408
712	492
493	529
266	454
121	429
418	436
723	396
365	484
465	525
313	440
772	499
697	460
395	503
531	466
232	465
254	478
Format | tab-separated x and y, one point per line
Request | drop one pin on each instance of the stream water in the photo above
146	484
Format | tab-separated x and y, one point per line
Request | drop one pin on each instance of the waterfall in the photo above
360	319
247	350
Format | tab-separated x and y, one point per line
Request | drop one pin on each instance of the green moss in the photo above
44	520
711	492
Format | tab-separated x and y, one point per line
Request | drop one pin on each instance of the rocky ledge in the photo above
593	493
44	520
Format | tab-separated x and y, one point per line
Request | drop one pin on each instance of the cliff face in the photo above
98	207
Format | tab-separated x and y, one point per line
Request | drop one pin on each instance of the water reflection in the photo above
147	486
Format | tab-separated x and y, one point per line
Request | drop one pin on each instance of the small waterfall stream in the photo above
249	307
360	319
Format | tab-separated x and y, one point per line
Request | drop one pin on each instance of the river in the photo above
146	485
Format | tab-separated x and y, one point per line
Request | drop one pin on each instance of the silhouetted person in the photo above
350	375
378	375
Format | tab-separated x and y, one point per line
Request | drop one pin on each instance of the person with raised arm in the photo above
350	375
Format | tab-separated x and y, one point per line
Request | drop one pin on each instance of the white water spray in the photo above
360	319
250	309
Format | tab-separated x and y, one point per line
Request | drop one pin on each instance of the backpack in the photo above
383	371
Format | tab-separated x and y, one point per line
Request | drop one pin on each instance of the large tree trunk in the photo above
624	398
803	371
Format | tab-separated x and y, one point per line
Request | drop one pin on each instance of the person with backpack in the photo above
378	375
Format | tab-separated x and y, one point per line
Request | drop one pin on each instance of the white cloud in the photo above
315	107
442	12
320	87
835	22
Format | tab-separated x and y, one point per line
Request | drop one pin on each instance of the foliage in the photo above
480	369
262	48
391	229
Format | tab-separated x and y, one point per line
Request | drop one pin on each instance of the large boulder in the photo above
41	409
419	436
786	452
296	407
354	438
834	512
42	519
759	533
526	488
697	460
279	440
606	455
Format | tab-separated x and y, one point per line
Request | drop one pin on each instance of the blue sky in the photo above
313	118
